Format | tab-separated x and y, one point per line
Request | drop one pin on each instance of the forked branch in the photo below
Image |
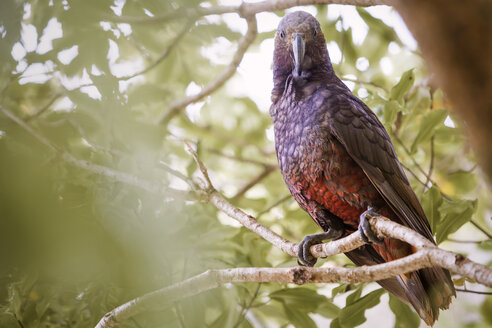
427	255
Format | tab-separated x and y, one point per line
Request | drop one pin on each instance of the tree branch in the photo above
472	291
266	171
245	9
124	177
427	255
243	46
165	53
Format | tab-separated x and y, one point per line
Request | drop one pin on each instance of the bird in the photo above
339	164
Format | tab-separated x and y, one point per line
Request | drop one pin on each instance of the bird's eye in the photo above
282	34
315	32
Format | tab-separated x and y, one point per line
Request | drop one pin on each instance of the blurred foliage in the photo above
74	244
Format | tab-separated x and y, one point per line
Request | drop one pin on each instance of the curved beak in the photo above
299	48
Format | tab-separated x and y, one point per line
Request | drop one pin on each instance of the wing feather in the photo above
372	150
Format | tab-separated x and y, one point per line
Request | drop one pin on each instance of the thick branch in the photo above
428	255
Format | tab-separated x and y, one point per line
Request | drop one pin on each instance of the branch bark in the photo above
245	9
427	255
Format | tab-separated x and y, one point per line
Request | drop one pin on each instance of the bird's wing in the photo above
359	130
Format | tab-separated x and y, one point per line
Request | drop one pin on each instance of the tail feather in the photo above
426	290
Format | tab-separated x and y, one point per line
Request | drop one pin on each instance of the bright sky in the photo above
254	71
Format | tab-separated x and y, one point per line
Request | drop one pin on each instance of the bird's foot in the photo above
304	256
366	233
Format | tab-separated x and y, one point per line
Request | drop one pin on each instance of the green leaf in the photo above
42	305
225	319
335	323
456	213
403	86
353	314
485	309
418	101
328	310
405	317
340	289
8	320
354	296
431	201
391	108
298	318
376	25
463	181
430	121
299	298
486	244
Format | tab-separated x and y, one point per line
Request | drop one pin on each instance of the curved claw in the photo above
304	256
366	233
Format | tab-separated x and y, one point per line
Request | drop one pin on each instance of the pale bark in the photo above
427	255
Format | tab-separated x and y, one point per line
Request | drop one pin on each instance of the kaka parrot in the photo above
339	164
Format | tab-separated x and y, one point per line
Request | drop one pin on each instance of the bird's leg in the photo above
333	229
366	233
304	256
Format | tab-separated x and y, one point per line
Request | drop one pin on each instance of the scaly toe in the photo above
366	233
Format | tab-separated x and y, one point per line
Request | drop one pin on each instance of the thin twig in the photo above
52	100
485	232
465	241
201	166
246	307
236	158
40	111
417	165
176	173
412	173
366	83
431	164
472	291
427	175
26	127
243	46
277	203
266	172
165	53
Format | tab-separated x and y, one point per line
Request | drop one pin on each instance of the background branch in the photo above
165	53
243	46
245	9
99	169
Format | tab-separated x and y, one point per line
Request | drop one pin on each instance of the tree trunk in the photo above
456	41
